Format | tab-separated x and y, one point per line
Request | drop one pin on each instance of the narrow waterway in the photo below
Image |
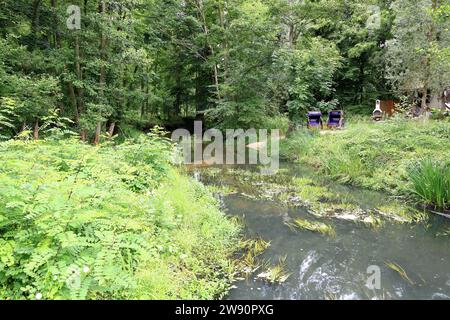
322	267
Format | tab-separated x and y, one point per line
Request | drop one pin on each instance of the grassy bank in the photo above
390	156
114	222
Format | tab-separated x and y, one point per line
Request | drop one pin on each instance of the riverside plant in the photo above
431	182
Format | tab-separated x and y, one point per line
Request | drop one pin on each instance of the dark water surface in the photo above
336	267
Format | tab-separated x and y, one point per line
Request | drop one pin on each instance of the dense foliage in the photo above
245	62
114	222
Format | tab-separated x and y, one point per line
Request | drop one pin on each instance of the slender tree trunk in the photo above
291	29
73	100
224	25
423	104
57	34
291	36
36	130
201	13
147	93
143	100
35	20
112	127
98	129
79	91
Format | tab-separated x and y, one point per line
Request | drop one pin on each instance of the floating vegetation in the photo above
402	214
277	273
397	268
372	222
313	226
444	233
238	220
309	192
256	246
344	211
212	172
252	249
447	232
322	201
248	264
330	296
224	190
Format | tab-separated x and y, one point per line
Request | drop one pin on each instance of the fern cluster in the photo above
115	222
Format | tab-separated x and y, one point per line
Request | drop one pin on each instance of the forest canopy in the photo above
241	63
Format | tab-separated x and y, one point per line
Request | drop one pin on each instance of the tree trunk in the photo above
98	131
112	127
223	24
73	100
423	104
36	130
35	20
57	34
79	91
435	101
201	14
291	29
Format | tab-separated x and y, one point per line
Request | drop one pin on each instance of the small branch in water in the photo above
441	214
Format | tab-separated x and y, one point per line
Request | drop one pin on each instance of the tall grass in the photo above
431	182
378	155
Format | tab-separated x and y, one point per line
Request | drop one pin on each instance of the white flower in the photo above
86	269
38	296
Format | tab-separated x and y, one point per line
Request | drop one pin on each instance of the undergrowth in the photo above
110	222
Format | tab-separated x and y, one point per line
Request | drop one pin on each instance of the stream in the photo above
322	267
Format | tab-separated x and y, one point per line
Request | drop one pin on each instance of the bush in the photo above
431	182
115	222
276	122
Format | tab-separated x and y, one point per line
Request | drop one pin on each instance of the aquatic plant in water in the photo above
248	263
277	273
401	213
313	226
397	268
